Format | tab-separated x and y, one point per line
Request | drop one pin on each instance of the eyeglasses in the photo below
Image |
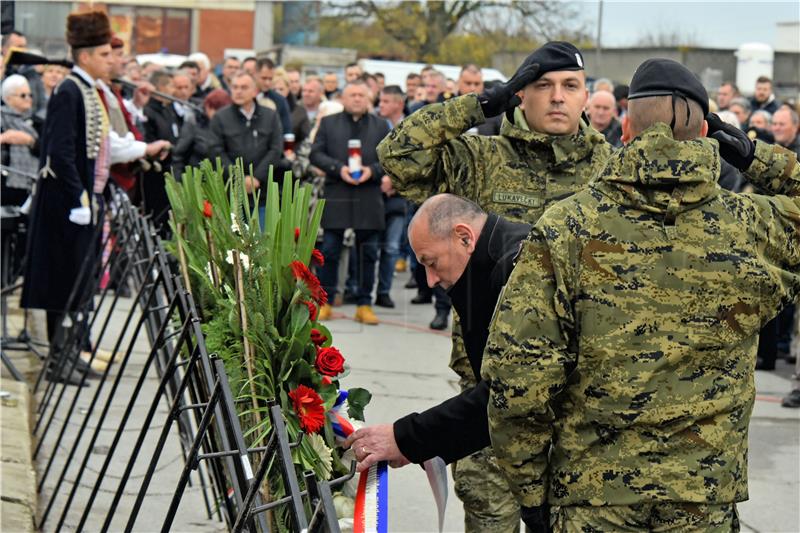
24	95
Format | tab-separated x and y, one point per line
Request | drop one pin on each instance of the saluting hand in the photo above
503	96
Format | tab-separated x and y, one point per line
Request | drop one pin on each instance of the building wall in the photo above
221	29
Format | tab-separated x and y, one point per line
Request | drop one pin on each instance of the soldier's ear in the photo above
626	130
704	129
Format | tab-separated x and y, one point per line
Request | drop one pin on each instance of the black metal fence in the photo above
192	409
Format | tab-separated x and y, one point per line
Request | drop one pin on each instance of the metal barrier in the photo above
201	408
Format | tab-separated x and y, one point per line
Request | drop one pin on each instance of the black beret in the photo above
555	55
665	77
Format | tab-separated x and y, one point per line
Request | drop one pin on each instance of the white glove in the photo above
81	216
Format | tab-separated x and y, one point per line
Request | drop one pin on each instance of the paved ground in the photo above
404	364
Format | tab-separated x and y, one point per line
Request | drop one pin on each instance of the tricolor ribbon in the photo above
372	496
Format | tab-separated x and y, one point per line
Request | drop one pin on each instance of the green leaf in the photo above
357	400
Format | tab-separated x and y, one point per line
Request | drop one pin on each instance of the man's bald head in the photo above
443	235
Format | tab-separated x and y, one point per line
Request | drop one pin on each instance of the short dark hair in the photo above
189	64
264	62
7	36
764	79
350	65
160	78
393	90
733	86
379	75
470	67
249	58
412	76
230	58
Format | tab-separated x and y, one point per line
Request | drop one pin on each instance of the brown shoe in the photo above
325	312
365	315
400	265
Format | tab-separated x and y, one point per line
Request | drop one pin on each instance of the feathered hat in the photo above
88	29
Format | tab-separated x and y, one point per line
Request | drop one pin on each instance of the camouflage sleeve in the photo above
775	170
526	361
426	154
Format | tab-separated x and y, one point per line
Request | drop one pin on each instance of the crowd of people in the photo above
503	152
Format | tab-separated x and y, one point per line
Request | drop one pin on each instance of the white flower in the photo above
323	452
242	257
208	272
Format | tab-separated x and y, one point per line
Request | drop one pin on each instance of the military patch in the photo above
503	197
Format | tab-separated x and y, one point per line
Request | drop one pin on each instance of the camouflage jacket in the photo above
516	174
622	352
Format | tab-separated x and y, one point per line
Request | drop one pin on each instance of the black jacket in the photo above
194	145
57	247
258	140
350	206
459	426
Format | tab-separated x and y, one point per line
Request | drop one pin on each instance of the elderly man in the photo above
622	352
471	254
785	125
544	153
353	200
602	108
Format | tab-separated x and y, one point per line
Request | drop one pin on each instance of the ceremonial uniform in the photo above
621	358
516	175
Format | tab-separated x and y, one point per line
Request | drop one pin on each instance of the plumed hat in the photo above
88	29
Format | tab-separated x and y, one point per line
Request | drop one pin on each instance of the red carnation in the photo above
206	209
312	310
296	234
308	406
330	361
317	257
301	272
317	337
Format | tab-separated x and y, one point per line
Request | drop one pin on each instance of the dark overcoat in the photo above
56	247
350	206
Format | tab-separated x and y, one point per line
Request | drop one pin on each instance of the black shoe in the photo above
65	376
440	320
383	300
761	365
422	299
350	297
792	399
411	283
82	367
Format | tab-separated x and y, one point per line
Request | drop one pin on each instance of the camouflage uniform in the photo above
622	351
516	175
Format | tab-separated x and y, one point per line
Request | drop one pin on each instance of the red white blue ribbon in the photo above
372	497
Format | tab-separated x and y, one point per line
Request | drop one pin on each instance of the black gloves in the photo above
735	146
501	97
536	518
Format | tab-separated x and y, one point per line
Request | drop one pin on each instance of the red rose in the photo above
317	337
301	272
326	380
330	361
308	406
296	234
312	310
206	209
316	257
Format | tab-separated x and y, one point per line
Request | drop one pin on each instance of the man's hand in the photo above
251	184
386	186
735	146
503	96
158	148
346	177
142	94
366	174
16	137
373	444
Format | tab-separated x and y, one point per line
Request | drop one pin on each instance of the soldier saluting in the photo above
622	353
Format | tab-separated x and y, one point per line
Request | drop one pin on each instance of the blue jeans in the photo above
390	251
367	257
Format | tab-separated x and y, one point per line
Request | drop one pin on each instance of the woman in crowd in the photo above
19	140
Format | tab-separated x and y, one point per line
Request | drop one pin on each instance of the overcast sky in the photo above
711	24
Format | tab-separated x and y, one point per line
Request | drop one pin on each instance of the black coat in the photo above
459	426
258	141
350	206
194	145
57	247
162	123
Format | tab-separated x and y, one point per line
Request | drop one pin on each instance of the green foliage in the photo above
278	326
